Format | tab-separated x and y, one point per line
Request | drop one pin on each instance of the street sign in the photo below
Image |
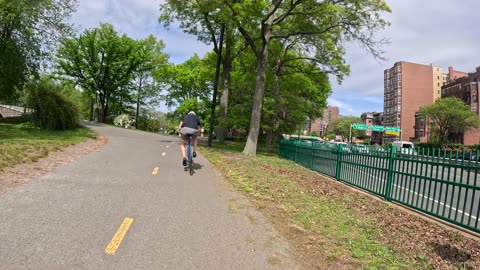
377	128
360	126
392	131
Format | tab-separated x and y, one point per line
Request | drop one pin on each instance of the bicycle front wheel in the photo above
190	158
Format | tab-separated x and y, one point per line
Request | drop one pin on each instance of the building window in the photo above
438	77
438	84
474	98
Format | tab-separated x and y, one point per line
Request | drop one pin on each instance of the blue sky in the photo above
439	32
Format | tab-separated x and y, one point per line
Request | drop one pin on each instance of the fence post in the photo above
391	161
339	161
313	156
296	151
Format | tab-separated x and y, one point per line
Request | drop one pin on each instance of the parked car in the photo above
404	148
360	148
467	155
346	149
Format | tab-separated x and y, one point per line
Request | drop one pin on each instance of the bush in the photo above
51	110
428	145
123	120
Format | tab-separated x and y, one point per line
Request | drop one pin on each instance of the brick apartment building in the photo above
320	125
407	87
466	88
458	84
373	118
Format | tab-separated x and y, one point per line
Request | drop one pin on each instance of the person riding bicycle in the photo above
189	126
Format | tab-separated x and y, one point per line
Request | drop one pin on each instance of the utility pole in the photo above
350	136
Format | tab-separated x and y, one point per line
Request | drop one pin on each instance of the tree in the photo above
206	19
101	62
448	116
29	30
149	55
320	29
52	109
190	80
341	126
295	89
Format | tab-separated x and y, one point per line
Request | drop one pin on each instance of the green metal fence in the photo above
438	182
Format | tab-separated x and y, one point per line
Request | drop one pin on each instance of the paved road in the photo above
109	211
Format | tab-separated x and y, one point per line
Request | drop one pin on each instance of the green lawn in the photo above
328	224
22	142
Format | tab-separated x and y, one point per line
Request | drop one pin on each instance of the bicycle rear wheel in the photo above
190	156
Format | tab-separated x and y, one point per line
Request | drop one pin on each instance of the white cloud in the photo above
442	32
138	19
439	32
337	103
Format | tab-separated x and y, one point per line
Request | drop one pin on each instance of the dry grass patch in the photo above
330	225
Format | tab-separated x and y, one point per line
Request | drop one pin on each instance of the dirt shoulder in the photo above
420	242
426	241
20	174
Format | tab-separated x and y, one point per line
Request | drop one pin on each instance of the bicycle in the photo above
190	154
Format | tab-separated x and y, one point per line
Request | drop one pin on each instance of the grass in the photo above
22	142
331	228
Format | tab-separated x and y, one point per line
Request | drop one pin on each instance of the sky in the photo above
439	32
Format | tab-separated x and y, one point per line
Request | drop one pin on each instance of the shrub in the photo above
428	145
51	110
123	120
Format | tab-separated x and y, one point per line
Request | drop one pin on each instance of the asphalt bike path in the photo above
132	205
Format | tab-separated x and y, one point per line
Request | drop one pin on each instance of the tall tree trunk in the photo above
105	111
104	107
262	56
91	110
138	102
276	93
227	67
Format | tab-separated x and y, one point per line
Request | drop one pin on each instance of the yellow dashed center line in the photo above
167	146
118	237
163	154
155	171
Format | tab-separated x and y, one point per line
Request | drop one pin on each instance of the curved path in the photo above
112	209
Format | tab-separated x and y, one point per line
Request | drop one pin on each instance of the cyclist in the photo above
189	126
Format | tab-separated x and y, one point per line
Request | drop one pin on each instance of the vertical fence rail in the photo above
391	162
439	183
